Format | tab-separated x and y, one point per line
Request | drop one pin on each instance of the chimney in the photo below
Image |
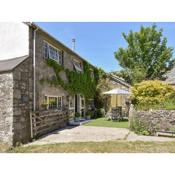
73	44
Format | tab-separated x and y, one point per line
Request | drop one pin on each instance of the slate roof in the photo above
120	80
10	64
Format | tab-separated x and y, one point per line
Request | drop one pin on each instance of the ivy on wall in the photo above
84	83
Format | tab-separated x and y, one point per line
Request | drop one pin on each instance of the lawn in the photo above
108	123
98	147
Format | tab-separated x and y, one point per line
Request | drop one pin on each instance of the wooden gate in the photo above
46	121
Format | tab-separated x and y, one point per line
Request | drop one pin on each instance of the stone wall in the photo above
43	71
6	107
22	101
152	121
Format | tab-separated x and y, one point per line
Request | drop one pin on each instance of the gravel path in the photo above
95	134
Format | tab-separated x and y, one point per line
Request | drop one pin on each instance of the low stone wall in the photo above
153	121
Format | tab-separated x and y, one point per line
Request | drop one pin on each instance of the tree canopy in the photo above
146	56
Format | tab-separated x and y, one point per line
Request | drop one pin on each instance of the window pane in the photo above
77	66
59	102
45	50
53	53
52	102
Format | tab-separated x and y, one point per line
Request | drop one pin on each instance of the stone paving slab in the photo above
83	134
94	134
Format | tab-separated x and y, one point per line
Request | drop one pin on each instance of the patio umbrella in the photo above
117	92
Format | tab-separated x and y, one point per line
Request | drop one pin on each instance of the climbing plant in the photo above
84	83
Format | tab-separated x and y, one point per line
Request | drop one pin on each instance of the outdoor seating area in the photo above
118	114
118	105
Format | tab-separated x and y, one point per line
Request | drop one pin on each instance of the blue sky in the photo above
97	42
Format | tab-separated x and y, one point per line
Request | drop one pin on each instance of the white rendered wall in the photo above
14	40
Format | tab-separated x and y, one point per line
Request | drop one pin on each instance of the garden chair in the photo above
117	113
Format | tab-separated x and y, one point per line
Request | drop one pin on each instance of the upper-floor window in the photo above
92	74
77	65
51	52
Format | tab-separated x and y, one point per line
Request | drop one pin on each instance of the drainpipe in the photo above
34	69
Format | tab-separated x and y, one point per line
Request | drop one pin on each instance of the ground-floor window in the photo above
53	102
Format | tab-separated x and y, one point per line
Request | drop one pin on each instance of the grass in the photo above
103	122
99	147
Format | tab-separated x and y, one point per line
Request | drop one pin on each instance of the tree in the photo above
102	86
146	57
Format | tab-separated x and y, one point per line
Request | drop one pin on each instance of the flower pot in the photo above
76	119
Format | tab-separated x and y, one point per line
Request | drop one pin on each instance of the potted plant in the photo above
71	120
88	115
44	105
77	117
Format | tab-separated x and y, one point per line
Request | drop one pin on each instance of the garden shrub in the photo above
99	113
153	94
139	127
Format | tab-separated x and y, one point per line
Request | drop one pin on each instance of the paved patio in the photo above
95	134
82	134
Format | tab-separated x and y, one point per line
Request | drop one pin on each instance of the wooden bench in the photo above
165	133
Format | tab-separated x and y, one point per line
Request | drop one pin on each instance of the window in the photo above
53	102
59	100
77	66
51	52
45	50
92	74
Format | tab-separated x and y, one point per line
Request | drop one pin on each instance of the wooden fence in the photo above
46	121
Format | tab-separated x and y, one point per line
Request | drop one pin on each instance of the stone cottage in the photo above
24	50
36	72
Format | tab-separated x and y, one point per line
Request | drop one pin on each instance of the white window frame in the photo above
51	96
77	67
48	56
